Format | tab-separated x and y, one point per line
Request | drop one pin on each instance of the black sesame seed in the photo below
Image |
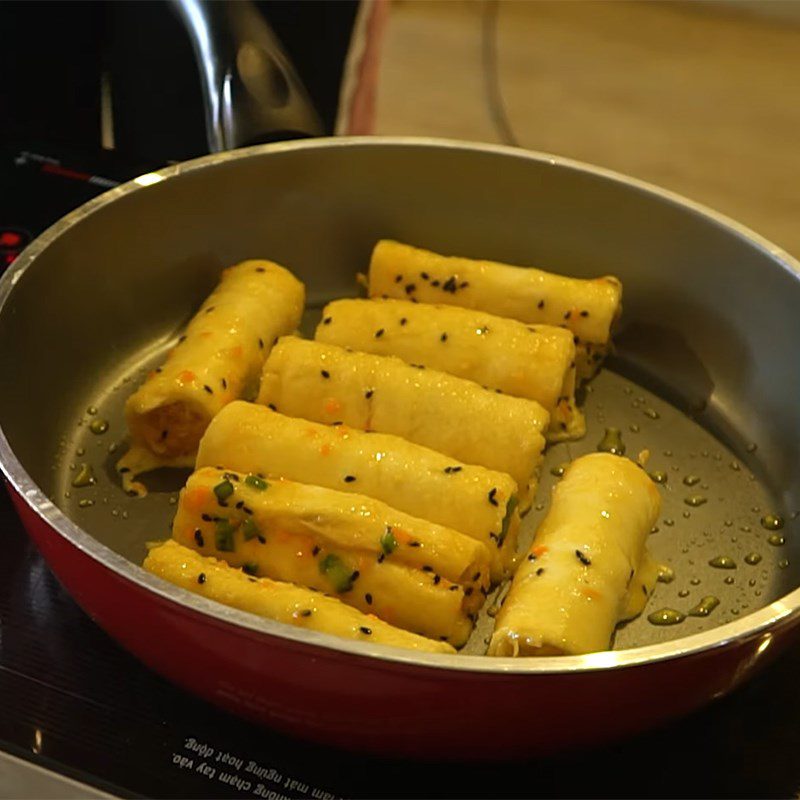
540	304
476	576
454	588
355	575
182	339
260	343
414	544
201	578
644	590
398	278
158	369
584	313
451	470
379	333
164	435
364	629
368	394
443	638
381	557
272	406
468	591
424	276
531	557
568	315
563	426
315	551
240	504
403	320
436	579
206	517
368	598
324	373
260	269
247	510
492	493
208	388
435	283
450	285
198	537
427	569
327	321
349	478
443	337
411	287
306	612
583	558
261	540
210	309
224	383
540	571
576	340
463	284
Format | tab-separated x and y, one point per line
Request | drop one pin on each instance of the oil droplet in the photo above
776	539
757	592
745	529
651	413
735	466
98	426
728	523
67	494
729	580
85	477
658	476
695	500
751	448
612	442
669	522
666	616
173	500
114	512
734	539
91	410
540	506
722	562
704	453
751	582
687	514
628	390
735	612
691	480
80	451
755	509
559	470
695	581
634	428
665	574
124	515
85	503
654	529
772	522
668	453
112	448
683	593
706	605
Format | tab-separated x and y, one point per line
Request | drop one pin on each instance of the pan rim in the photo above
757	624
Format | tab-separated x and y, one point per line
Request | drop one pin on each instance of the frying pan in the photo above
705	378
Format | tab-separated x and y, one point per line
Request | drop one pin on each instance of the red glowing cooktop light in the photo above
10	239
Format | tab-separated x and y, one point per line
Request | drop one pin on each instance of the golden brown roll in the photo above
218	359
588	308
588	568
283	602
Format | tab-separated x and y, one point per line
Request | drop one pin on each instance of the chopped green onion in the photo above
388	542
511	505
249	529
224	536
223	490
337	572
251	568
256	482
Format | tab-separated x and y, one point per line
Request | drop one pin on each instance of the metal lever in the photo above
251	92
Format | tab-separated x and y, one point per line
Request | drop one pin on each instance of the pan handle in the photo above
250	90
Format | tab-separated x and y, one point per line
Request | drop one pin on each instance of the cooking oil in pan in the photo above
707	491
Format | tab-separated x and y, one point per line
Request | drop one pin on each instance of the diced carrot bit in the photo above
325	450
592	594
187	376
333	406
236	352
539	550
402	537
196	499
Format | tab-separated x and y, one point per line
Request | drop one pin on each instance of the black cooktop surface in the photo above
72	701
